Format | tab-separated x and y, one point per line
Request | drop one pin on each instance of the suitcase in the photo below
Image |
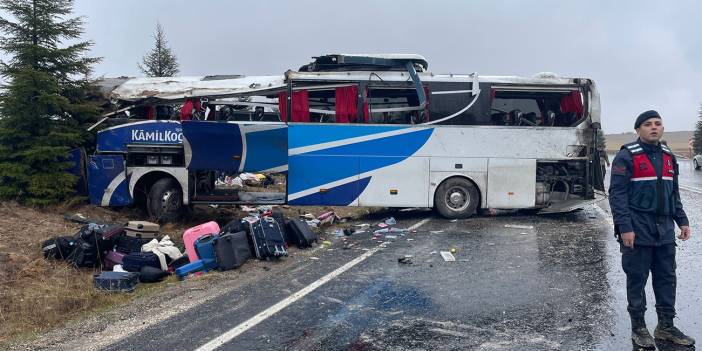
277	214
85	254
194	233
59	248
128	244
231	250
142	229
134	261
107	235
116	281
267	237
300	233
112	258
178	262
192	267
204	246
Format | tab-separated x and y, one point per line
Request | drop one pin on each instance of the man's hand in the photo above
628	239
684	232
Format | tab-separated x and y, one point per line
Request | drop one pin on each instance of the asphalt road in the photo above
551	283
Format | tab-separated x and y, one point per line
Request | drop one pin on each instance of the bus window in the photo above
395	106
536	108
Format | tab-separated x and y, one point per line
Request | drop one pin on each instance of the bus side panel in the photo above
324	180
511	183
107	181
212	145
78	159
404	184
266	148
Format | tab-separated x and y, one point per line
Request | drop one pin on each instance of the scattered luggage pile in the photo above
135	252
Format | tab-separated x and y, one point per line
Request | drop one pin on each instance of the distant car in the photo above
697	161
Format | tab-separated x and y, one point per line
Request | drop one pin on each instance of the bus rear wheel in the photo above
164	202
456	198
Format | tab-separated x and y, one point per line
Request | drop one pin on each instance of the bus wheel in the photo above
456	198
165	200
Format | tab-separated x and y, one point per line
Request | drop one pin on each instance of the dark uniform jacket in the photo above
643	194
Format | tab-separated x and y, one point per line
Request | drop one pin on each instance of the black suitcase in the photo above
85	255
59	248
134	261
267	237
300	233
116	281
279	217
231	250
128	244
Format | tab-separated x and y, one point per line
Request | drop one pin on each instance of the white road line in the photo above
236	331
690	188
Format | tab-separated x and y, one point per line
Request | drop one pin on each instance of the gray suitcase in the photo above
142	229
232	250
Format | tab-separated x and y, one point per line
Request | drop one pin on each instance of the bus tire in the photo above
456	198
164	202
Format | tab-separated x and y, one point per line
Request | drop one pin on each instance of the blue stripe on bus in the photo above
397	145
342	195
321	167
306	135
266	149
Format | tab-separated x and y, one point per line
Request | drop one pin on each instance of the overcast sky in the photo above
642	54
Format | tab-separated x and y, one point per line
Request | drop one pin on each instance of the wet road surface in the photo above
552	283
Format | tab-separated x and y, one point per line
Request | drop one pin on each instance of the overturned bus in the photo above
350	130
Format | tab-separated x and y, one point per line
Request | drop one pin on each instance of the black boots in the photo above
639	334
668	332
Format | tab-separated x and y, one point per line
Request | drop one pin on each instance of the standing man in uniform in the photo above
645	203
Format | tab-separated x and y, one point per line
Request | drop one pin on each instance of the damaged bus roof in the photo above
180	88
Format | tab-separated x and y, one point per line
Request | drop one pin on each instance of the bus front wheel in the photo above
456	198
165	200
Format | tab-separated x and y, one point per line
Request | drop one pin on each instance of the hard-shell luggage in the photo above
299	233
128	244
142	229
112	258
204	246
116	281
107	235
232	250
59	248
192	267
134	261
85	254
194	233
267	237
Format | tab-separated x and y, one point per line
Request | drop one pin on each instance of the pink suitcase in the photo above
192	234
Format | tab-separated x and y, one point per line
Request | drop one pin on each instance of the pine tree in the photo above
697	136
160	61
43	107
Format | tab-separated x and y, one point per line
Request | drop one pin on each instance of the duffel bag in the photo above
133	262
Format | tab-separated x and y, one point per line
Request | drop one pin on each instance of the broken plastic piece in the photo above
447	256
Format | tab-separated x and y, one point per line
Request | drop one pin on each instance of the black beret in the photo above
644	116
